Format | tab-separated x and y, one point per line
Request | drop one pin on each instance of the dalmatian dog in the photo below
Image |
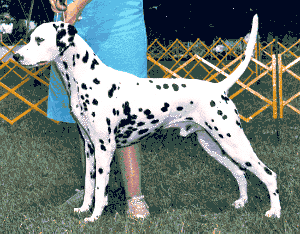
116	109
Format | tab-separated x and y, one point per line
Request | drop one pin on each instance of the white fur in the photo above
116	109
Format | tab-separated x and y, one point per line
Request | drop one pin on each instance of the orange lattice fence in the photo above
216	69
288	87
176	60
17	86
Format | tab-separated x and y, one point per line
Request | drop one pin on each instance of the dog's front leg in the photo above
90	175
103	152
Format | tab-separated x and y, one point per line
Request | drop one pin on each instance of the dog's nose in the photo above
18	57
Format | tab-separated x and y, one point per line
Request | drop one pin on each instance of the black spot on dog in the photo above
73	59
65	65
175	87
85	57
226	99
103	148
165	86
96	81
93	175
91	149
267	171
94	63
95	102
212	103
248	164
208	125
148	114
165	108
140	124
83	86
71	30
111	91
154	121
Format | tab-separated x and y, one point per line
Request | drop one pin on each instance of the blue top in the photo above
116	31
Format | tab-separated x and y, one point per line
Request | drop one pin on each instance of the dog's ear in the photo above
71	30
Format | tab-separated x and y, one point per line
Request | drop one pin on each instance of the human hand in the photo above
54	6
72	13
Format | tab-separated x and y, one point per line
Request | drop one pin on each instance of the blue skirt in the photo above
116	31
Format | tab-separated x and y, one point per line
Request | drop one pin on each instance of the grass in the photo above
187	190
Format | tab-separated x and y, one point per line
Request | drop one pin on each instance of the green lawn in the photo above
186	190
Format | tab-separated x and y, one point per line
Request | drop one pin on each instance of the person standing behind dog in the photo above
116	32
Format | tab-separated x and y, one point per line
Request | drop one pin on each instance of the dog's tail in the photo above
231	79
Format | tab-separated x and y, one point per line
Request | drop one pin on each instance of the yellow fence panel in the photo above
283	69
177	52
270	68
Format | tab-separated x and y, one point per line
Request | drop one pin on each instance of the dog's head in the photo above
48	41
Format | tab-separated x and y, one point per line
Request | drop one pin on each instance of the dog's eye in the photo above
39	40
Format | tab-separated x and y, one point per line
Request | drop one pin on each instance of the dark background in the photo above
188	20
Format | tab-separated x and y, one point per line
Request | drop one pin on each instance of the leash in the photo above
28	19
62	12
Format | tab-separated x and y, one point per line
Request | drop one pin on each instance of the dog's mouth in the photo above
42	63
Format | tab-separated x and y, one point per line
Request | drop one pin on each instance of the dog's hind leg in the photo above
213	149
238	147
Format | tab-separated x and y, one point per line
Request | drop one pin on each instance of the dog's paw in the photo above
91	219
81	209
240	202
273	213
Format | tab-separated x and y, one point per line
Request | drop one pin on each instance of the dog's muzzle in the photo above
19	58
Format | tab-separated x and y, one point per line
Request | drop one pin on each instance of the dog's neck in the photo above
77	63
74	56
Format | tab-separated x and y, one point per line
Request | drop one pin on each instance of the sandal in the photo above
137	208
